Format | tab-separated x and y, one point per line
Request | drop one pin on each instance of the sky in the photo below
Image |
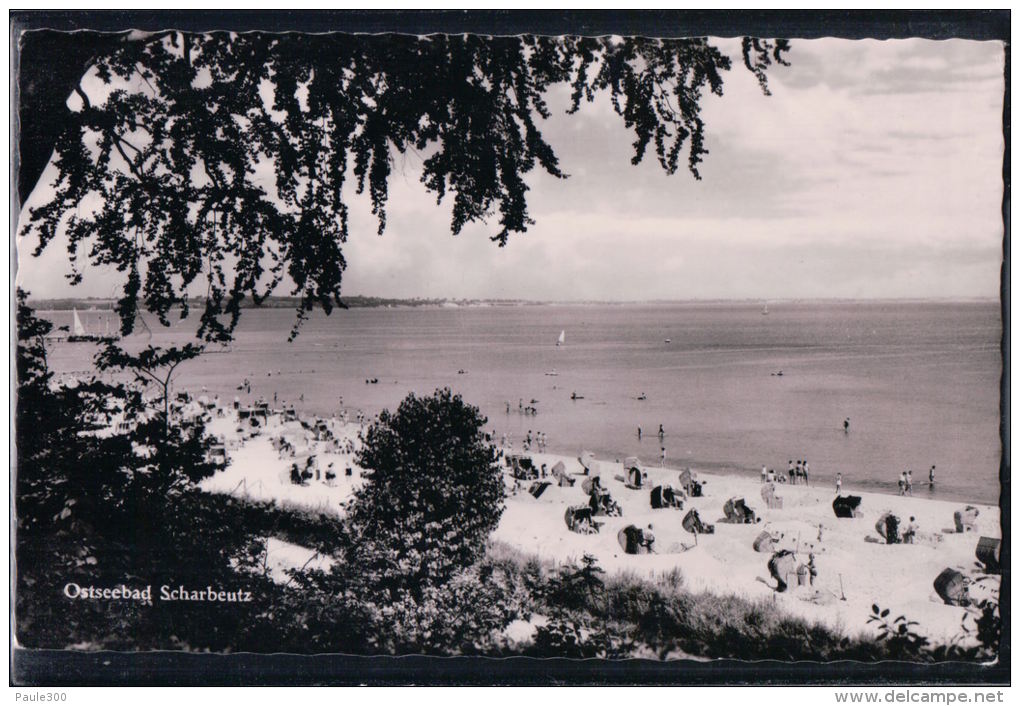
872	171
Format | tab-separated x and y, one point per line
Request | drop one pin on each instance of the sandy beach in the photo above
852	561
899	577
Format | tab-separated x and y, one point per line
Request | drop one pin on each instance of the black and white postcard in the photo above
665	346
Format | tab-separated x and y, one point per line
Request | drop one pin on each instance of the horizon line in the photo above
522	300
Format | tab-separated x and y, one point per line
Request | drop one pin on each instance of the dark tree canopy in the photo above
170	155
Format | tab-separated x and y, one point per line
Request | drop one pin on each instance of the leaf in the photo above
885	612
874	608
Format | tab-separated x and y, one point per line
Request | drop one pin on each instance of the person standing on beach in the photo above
903	483
804	473
910	483
661	433
648	539
839	483
764	475
846	425
909	532
931	478
639	433
662	458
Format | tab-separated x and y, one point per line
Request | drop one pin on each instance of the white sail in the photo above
765	309
79	330
562	339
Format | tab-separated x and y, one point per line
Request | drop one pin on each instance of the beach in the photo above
855	567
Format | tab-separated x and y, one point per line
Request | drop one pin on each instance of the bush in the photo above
409	579
433	494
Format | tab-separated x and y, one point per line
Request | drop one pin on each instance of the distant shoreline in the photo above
106	304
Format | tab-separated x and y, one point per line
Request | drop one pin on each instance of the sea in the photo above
733	388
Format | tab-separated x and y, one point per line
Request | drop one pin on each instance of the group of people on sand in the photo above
893	535
538	441
797	474
532	440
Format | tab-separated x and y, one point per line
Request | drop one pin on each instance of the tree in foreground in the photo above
433	493
409	578
229	160
98	505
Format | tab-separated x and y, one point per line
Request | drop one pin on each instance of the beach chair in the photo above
634	540
846	506
888	528
523	468
664	497
538	487
601	503
764	543
579	519
768	494
588	485
632	472
951	587
687	482
672	498
655	498
783	568
965	519
559	472
630	540
737	512
987	552
527	467
730	511
693	524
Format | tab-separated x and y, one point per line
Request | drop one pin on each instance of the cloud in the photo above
873	170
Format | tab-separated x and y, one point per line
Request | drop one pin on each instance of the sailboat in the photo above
79	334
765	309
79	329
562	339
